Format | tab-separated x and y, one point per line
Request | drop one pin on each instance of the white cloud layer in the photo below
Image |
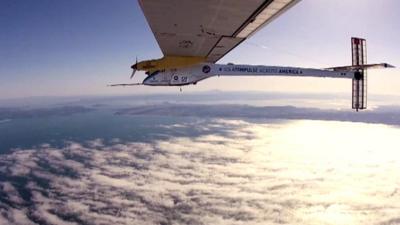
296	173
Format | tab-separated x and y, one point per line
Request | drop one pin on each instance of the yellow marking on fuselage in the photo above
169	62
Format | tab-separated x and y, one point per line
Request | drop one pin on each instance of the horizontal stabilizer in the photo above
118	85
360	67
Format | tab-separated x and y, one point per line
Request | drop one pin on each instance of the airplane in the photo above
193	35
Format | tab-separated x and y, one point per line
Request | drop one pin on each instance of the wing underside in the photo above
208	28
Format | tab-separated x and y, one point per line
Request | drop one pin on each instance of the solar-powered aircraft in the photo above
194	34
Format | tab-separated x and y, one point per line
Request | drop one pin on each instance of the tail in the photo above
359	87
359	67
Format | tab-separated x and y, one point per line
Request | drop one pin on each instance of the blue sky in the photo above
52	48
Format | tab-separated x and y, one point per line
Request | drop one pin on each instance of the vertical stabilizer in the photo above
359	58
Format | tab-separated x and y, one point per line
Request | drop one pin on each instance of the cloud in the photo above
246	174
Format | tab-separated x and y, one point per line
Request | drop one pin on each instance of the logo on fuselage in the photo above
206	69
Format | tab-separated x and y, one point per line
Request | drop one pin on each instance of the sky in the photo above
66	48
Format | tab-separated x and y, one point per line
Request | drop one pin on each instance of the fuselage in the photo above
193	74
179	76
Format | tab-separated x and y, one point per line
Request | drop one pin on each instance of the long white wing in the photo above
208	28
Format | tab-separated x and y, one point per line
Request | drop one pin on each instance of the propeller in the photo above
134	68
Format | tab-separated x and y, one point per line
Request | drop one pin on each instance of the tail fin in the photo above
359	87
359	67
